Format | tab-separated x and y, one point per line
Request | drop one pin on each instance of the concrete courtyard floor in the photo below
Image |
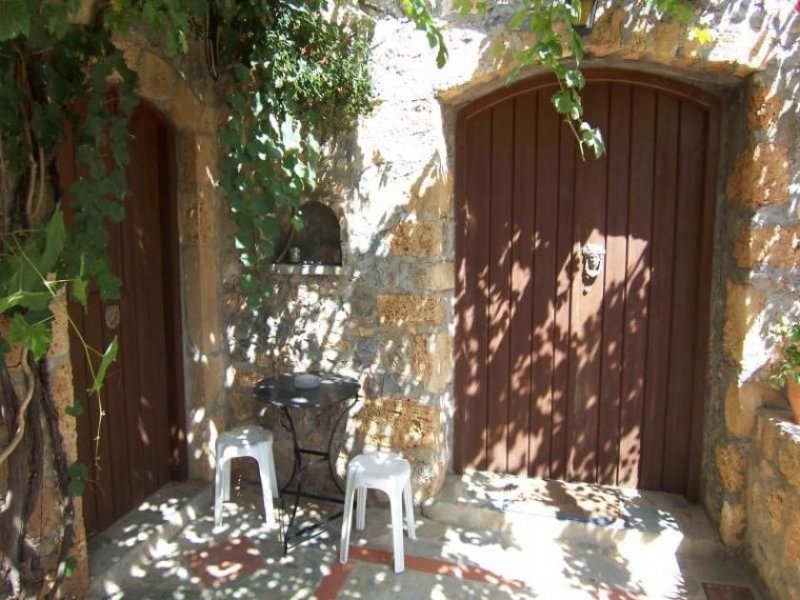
484	536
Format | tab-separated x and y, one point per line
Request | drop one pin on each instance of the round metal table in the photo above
333	391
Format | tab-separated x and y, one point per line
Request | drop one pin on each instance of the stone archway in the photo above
194	111
563	372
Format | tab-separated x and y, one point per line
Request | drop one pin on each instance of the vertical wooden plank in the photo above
161	230
150	337
129	303
683	325
113	391
522	286
590	207
563	373
499	278
546	264
618	148
463	296
637	283
703	303
178	465
474	274
659	355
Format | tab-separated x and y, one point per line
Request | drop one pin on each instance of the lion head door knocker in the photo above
593	255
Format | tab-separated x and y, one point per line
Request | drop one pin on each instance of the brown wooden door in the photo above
560	375
130	443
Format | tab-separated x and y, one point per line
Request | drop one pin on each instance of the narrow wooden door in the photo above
130	440
562	372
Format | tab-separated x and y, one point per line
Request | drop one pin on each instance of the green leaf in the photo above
15	20
574	79
80	290
34	336
76	410
76	487
518	19
10	301
70	565
109	356
55	236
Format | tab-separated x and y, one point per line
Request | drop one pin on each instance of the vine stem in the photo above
86	346
23	409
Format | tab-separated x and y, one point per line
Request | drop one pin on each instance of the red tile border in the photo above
333	582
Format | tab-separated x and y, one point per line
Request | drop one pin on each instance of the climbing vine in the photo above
291	72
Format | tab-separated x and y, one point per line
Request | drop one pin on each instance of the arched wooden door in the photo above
137	444
560	374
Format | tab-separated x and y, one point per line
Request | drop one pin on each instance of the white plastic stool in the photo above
391	474
248	441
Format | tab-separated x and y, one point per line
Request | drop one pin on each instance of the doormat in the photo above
225	562
723	591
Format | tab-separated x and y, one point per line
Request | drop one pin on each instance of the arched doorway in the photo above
562	372
137	444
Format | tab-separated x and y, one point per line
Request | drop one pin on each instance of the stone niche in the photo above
317	242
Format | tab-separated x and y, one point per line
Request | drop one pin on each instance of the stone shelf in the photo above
284	269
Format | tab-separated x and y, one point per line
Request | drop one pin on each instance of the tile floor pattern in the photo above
448	561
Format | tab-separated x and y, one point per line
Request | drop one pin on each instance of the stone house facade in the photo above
386	315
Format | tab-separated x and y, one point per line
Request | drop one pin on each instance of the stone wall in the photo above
387	317
773	503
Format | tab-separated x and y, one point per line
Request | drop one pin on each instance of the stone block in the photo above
59	344
741	403
667	38
432	193
775	246
606	34
407	426
156	78
407	309
767	437
765	108
435	278
242	407
186	109
789	457
201	285
246	378
743	308
760	176
732	524
792	543
433	360
417	239
731	463
775	502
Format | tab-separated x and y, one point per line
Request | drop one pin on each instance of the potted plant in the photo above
787	370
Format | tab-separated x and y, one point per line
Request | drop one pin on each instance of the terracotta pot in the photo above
794	397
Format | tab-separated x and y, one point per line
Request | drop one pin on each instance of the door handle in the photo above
593	255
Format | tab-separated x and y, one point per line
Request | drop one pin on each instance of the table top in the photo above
281	391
